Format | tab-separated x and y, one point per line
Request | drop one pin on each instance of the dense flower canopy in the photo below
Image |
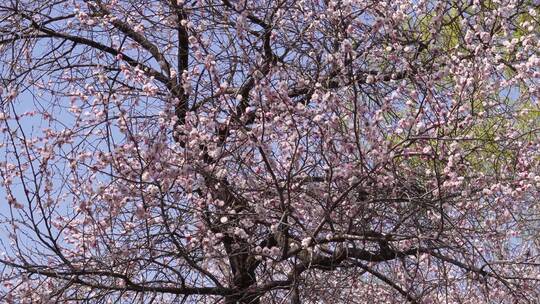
269	151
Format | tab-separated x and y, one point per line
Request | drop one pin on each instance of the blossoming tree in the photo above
270	151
